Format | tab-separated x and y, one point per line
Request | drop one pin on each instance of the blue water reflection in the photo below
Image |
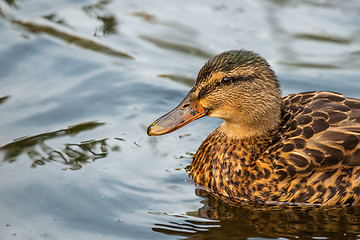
81	80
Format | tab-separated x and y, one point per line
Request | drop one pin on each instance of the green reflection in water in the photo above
323	38
99	6
11	3
54	18
178	47
109	25
309	65
177	78
78	41
72	155
3	99
109	22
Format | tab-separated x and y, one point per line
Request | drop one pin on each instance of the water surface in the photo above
81	80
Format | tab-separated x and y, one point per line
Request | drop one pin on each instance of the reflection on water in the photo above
72	155
309	65
324	38
124	63
277	221
188	80
178	47
109	22
69	38
11	3
3	99
146	16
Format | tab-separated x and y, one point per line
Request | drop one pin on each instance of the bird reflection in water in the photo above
220	218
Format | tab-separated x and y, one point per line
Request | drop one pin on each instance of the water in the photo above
81	80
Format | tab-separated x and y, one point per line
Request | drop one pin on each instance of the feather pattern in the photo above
312	158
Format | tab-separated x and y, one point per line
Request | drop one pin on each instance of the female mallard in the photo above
302	148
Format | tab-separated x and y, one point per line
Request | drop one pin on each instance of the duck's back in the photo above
318	154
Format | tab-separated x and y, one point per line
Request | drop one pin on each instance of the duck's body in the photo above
302	148
312	158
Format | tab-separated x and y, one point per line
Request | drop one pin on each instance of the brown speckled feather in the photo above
312	158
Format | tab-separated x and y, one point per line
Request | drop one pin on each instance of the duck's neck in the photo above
243	126
221	158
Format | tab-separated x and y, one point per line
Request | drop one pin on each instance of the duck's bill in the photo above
188	110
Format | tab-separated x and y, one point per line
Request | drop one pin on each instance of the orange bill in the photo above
187	111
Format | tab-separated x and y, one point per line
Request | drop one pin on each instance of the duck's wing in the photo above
319	130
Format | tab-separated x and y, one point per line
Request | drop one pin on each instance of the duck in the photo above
303	148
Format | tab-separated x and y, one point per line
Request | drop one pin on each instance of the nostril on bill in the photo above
186	105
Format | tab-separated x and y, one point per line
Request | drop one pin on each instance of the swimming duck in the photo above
299	149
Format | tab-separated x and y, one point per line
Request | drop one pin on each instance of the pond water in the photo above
81	80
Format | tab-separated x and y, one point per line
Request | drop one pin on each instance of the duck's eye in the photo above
226	80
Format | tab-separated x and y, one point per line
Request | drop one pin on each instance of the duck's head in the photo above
238	86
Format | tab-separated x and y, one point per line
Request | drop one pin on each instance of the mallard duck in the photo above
299	149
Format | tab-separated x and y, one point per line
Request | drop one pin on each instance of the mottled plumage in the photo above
302	148
312	158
